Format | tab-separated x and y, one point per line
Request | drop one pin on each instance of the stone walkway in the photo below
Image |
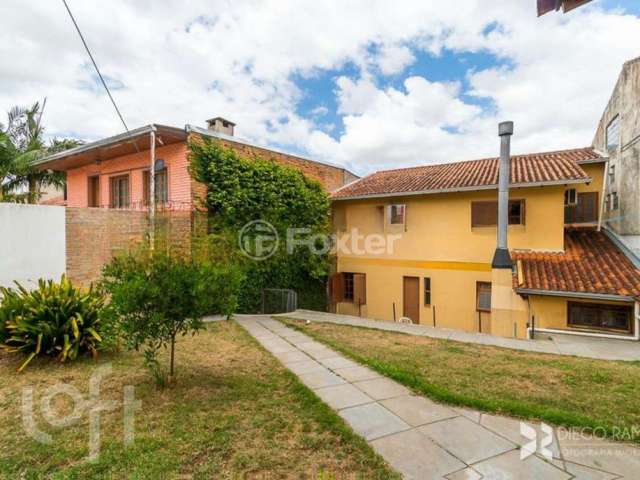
579	346
422	439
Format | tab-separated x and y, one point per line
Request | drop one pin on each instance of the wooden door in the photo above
94	191
411	298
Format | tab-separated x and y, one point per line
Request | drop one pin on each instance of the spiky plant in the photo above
54	319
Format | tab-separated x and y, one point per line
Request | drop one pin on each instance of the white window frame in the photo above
567	197
404	213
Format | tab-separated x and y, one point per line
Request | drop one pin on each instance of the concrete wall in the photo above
32	243
624	101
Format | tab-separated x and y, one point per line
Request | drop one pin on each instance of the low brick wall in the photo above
95	235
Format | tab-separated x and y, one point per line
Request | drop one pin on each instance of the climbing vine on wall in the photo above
244	189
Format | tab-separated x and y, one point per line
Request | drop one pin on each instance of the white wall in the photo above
32	243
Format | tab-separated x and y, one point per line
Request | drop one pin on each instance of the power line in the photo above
96	66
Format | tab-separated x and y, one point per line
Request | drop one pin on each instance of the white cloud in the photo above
184	64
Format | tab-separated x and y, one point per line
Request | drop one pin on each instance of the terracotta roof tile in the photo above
546	167
591	263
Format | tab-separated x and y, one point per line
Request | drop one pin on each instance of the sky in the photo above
367	84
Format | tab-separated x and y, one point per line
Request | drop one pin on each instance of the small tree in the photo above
157	296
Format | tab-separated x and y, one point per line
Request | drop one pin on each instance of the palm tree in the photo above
22	144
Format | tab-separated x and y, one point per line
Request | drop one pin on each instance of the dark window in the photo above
120	191
612	174
570	197
348	287
485	214
162	186
94	191
607	202
584	211
427	291
597	316
483	296
613	133
396	214
614	201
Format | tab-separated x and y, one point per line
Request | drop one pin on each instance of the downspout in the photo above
152	187
605	180
501	257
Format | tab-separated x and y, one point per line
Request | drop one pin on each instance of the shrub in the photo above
157	296
55	319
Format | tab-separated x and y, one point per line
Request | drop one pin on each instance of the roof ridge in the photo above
525	155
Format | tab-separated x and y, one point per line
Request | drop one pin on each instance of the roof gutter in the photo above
589	296
621	246
105	142
465	189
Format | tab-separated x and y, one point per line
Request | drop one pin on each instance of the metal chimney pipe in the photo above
501	257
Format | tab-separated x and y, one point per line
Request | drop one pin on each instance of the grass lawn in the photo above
234	412
560	390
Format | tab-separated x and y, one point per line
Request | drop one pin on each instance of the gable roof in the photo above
590	264
535	169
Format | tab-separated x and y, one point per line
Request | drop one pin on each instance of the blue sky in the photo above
361	83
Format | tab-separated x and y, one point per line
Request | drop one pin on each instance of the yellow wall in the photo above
596	172
438	227
453	292
551	312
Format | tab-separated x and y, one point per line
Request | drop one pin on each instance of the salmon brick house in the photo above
116	172
110	182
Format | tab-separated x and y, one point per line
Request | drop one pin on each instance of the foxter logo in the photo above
531	447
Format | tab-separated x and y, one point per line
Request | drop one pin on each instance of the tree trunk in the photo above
33	194
173	350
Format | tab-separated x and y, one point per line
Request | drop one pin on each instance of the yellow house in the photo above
418	243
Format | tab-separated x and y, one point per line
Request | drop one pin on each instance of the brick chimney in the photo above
221	125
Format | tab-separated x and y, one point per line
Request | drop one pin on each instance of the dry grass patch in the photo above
562	390
234	412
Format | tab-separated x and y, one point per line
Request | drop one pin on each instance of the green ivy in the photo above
240	190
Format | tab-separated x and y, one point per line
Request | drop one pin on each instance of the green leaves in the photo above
55	319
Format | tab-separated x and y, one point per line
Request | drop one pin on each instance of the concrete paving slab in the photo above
356	373
465	474
338	362
599	454
311	346
343	396
417	411
508	466
320	378
466	440
381	388
415	456
373	421
510	429
585	473
322	354
472	415
307	366
292	356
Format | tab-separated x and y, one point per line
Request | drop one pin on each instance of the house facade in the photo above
439	224
116	172
618	136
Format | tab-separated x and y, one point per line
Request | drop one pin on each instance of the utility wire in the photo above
96	67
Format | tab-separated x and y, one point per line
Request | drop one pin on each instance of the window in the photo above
613	133
596	316
397	214
162	186
612	174
485	214
607	203
93	198
584	211
483	296
427	291
614	201
570	197
120	191
348	287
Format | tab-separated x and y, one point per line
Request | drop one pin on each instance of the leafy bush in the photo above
241	190
157	296
55	319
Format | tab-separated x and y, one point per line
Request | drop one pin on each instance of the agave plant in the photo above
55	319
